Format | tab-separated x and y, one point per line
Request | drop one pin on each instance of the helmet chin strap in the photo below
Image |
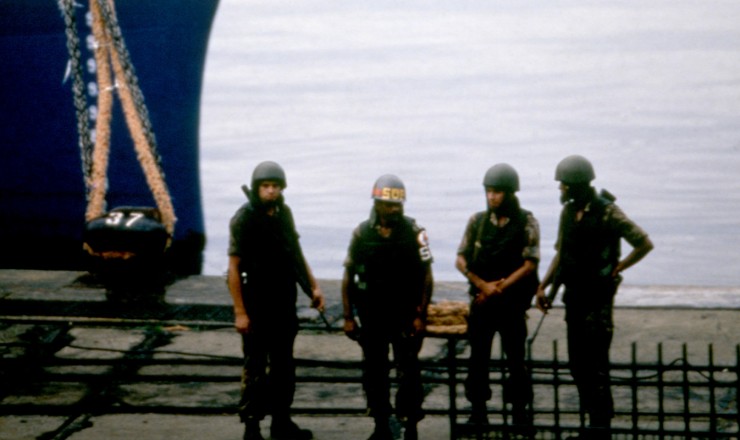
509	206
386	219
565	198
579	195
270	204
392	219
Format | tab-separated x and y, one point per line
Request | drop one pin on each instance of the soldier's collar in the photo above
494	220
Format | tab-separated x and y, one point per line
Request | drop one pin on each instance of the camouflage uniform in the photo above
589	250
502	250
269	249
389	275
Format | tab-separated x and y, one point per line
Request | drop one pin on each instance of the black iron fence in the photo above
664	399
660	399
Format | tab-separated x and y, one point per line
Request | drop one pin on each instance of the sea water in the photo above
436	92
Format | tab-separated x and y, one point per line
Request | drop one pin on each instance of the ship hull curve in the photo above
42	193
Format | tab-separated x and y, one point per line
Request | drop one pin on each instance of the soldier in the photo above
588	264
265	264
388	282
498	255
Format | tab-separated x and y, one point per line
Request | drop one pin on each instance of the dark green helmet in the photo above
503	177
574	169
389	188
268	170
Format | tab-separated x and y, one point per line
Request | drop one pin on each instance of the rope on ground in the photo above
447	318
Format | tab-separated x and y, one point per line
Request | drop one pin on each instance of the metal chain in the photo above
146	145
67	8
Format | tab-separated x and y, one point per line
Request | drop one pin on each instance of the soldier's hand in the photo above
351	329
541	301
492	288
242	324
419	327
480	298
488	290
317	300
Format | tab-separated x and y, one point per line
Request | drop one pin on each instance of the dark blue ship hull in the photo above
42	192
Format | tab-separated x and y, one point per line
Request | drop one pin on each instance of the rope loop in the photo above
114	72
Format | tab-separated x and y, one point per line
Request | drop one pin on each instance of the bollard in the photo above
127	253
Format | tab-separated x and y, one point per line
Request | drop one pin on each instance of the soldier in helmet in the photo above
498	255
588	264
387	284
265	265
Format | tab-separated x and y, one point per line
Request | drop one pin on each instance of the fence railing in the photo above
660	399
653	400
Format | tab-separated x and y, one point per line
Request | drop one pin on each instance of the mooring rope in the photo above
101	153
135	111
114	72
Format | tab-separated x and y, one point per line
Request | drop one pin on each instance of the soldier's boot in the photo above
521	417
521	421
479	414
283	428
252	430
410	432
382	430
600	427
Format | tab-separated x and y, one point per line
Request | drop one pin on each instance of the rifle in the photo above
549	299
299	263
245	190
553	291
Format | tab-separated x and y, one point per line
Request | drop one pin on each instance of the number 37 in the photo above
115	218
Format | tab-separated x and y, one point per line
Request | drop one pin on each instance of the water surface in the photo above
437	91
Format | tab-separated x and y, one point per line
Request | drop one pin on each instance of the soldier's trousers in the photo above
268	374
483	323
376	374
589	339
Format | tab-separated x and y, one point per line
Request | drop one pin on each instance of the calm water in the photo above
437	91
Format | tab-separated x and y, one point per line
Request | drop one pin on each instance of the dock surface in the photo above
195	321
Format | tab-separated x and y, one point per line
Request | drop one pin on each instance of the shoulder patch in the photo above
424	252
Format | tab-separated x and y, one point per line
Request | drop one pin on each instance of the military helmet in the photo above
503	177
389	188
575	169
268	170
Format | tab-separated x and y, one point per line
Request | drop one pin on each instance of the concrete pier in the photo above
196	318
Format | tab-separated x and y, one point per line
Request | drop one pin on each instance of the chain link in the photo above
67	8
